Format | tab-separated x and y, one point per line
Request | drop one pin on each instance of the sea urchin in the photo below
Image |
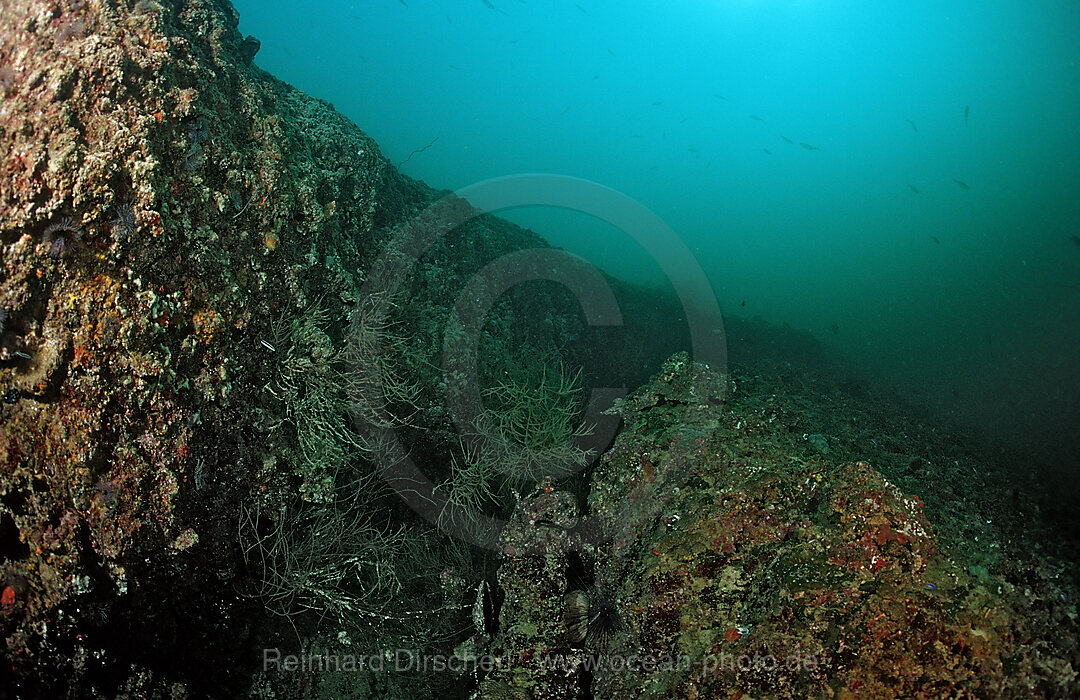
591	617
62	235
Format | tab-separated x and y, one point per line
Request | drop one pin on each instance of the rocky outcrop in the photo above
717	557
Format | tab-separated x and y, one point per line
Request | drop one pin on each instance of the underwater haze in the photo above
899	179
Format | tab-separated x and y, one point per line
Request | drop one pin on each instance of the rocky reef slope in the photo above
725	553
201	351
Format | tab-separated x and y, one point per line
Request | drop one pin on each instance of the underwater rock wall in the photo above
172	220
163	203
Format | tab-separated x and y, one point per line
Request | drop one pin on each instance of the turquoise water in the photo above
923	230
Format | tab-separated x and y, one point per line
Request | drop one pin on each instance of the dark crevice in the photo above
579	576
12	548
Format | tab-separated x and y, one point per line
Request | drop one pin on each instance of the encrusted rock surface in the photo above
162	204
742	567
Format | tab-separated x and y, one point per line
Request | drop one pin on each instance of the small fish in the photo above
1075	239
404	4
914	189
719	97
583	10
756	118
967	108
657	103
962	184
743	303
767	151
787	139
931	586
684	120
935	240
808	146
915	128
611	52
